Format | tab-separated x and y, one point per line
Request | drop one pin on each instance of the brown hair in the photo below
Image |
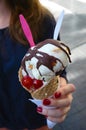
34	13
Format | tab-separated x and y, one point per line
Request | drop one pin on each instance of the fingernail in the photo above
46	102
46	116
57	95
39	109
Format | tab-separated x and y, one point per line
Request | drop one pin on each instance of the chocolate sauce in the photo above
44	58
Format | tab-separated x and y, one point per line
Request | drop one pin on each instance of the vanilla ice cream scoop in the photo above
44	61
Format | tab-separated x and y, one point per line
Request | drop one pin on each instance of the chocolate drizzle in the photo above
43	58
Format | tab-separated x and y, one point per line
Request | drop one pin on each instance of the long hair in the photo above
34	13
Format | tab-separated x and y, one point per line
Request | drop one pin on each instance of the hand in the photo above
61	100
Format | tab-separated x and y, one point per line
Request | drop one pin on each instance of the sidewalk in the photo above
76	6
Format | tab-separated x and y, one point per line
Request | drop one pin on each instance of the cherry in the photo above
27	82
37	83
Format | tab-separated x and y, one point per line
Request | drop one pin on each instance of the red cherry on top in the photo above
27	82
37	83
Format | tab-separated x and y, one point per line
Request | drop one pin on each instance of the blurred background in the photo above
73	33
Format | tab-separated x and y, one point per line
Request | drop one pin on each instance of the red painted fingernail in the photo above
57	95
46	102
46	116
39	109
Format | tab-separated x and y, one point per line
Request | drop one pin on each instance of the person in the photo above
16	111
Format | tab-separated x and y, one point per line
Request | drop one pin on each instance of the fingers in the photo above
64	96
60	103
61	107
69	88
57	115
65	90
60	110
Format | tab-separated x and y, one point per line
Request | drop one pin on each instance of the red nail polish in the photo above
46	102
39	109
57	95
46	116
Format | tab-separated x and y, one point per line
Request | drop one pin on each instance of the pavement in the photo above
73	33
